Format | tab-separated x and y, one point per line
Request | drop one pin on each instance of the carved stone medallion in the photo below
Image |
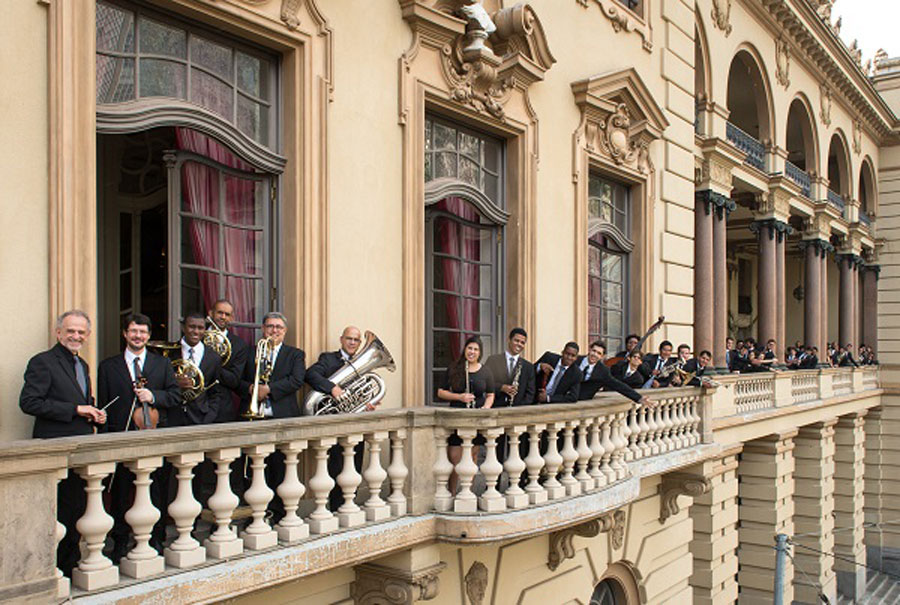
721	15
782	62
476	583
825	105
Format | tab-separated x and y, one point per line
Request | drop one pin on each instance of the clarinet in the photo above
470	403
515	380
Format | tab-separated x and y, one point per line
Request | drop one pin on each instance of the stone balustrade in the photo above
754	392
804	385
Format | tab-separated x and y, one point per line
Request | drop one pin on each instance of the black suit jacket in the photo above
51	394
114	379
231	377
635	381
691	365
650	364
500	371
600	378
318	373
569	385
205	408
284	383
809	362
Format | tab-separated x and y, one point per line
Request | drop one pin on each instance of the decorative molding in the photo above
476	583
773	227
562	548
721	15
438	189
679	484
625	20
290	10
782	61
713	201
857	137
823	247
825	104
380	585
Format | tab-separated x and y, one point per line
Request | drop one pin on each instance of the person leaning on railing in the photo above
57	392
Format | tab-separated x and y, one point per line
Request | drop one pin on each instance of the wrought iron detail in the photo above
754	150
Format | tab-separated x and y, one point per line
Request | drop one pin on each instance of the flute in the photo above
469	403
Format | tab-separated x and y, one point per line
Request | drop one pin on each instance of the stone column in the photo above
780	245
812	318
845	299
703	271
720	283
823	302
766	288
766	471
813	511
870	305
715	540
849	485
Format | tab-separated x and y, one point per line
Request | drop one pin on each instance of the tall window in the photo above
608	270
464	226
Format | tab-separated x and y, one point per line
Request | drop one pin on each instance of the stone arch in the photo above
753	113
837	165
626	581
702	77
801	137
868	187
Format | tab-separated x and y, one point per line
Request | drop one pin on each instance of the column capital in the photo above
876	269
823	247
853	260
775	226
713	201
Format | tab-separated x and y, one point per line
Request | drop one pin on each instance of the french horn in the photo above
185	368
362	386
215	339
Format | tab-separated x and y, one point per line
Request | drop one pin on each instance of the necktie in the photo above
80	376
551	387
137	368
587	371
191	354
512	365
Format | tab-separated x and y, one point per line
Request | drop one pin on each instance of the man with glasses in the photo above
278	397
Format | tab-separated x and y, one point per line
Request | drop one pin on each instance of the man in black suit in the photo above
559	375
697	366
809	359
232	373
204	408
136	376
596	376
505	366
57	393
630	342
654	365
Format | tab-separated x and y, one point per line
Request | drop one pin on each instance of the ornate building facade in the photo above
431	169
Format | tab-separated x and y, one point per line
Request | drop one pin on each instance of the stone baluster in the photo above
397	473
349	514
63	587
185	551
665	434
322	520
535	462
584	457
514	465
653	430
570	456
552	461
291	528
259	534
634	449
693	423
95	571
608	446
224	542
625	433
618	457
442	468
491	500
143	560
374	475
677	425
644	441
465	501
596	453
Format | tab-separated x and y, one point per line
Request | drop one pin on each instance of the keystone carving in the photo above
476	583
379	585
721	15
289	10
782	62
679	484
561	547
825	102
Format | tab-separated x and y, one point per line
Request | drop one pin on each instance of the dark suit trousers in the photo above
122	497
71	500
336	465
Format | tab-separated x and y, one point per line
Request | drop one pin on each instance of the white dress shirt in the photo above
198	351
586	369
129	361
554	379
267	404
511	361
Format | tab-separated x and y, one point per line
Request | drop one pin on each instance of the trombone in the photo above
264	349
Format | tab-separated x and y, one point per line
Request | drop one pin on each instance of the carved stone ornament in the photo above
782	62
824	10
379	585
561	547
679	484
857	137
623	20
825	105
476	583
289	10
721	15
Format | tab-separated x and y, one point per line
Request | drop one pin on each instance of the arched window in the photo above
608	592
464	223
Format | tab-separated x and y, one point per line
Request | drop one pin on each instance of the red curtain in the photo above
463	277
200	196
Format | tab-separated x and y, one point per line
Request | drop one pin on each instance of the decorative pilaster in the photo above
813	511
766	471
870	305
849	485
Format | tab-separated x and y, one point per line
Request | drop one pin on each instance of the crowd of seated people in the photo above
744	356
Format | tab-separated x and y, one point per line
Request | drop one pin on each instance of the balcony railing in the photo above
801	177
836	200
865	219
587	458
754	150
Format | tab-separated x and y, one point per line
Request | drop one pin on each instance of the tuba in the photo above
361	385
264	349
215	339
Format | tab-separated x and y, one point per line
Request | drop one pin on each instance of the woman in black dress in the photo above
629	370
472	389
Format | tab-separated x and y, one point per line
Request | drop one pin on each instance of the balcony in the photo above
754	150
837	201
577	463
865	219
801	177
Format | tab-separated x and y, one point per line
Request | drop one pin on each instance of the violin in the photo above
611	361
144	417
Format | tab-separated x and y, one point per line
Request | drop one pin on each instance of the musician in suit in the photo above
57	392
596	376
559	375
697	366
809	359
654	365
628	371
317	376
506	366
630	342
232	374
204	409
136	377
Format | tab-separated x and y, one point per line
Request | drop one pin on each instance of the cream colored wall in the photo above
793	310
24	221
328	588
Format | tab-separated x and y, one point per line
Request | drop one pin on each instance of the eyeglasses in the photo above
275	327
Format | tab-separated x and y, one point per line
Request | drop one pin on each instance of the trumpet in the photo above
215	339
264	349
